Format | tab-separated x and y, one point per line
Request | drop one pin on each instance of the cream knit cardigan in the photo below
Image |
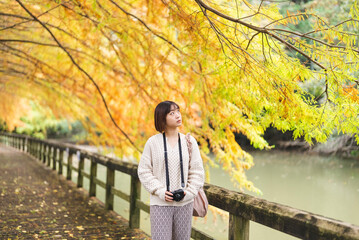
152	170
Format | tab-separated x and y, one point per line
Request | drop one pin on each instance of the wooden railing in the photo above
242	208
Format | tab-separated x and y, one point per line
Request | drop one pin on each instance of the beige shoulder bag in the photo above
200	204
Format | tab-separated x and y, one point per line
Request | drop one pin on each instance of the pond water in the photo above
327	186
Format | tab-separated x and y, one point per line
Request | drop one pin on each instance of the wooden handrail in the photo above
242	208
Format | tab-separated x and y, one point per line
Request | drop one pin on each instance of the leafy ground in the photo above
36	203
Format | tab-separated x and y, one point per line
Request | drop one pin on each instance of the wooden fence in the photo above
242	208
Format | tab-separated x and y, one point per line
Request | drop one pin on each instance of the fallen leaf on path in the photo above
80	228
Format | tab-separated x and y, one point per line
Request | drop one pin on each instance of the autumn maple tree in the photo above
233	66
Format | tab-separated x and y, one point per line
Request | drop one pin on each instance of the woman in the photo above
170	219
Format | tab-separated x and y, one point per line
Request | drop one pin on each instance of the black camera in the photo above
178	195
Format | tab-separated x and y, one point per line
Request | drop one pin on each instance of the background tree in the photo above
225	63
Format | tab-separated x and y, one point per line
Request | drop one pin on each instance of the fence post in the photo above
35	149
110	181
61	159
32	147
49	156
46	148
69	164
38	150
238	228
43	148
54	159
23	145
93	175
28	149
134	195
80	176
46	153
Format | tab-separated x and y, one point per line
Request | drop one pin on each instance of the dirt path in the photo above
37	203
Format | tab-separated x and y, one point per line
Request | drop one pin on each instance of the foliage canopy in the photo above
230	65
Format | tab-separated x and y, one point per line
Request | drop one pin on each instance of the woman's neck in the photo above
172	132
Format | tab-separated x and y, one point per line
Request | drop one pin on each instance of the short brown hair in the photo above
161	112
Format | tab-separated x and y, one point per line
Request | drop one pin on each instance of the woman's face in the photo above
174	118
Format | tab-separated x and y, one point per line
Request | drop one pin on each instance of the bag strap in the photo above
166	161
189	145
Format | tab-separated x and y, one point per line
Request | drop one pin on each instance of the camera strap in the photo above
166	161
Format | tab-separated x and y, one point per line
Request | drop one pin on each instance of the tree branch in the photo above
258	29
29	19
57	46
81	69
311	38
250	40
337	25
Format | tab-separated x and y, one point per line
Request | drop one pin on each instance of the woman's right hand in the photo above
169	196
